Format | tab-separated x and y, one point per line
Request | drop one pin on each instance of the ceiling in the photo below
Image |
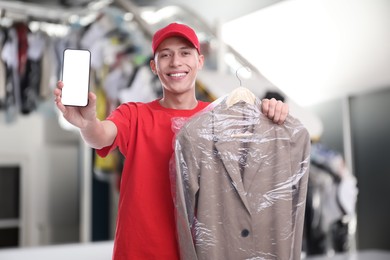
64	3
56	10
220	11
317	50
313	50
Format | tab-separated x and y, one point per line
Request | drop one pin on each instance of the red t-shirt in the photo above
146	224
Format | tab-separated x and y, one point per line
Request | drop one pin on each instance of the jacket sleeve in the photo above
300	152
186	188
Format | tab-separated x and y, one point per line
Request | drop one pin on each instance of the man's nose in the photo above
175	61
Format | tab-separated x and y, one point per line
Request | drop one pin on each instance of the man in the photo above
143	134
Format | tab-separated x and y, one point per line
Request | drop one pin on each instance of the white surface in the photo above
103	251
88	251
316	50
29	143
364	255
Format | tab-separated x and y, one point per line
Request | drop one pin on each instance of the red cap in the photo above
175	29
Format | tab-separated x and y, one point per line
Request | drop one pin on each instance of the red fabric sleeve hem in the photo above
103	152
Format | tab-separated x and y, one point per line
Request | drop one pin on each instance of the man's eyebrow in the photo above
187	47
165	49
181	48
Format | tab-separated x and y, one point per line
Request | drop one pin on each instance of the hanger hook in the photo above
238	77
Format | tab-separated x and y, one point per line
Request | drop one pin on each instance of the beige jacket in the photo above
241	184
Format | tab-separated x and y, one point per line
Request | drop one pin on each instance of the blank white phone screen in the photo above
75	76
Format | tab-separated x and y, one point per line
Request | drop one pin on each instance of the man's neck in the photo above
180	103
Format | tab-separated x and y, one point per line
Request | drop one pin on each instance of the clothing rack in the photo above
30	13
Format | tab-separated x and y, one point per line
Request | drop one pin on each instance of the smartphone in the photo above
76	69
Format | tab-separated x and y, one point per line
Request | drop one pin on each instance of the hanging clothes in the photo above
31	80
9	55
142	87
239	184
27	78
331	202
3	71
49	68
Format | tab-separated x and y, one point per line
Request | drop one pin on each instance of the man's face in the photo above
176	63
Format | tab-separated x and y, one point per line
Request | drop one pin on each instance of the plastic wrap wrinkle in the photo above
240	184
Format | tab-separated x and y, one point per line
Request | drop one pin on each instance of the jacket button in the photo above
245	233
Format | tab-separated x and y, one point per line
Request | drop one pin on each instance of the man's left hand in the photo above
275	110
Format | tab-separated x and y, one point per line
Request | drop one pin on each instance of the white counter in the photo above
87	251
103	251
362	255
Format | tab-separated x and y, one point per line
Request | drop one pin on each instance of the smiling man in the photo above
143	134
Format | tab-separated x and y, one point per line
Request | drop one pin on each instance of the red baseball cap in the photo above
175	29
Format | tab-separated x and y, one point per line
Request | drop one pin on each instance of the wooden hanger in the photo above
240	94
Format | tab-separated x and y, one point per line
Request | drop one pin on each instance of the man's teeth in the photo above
177	75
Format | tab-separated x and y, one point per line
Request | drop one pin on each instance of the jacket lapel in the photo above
257	145
228	153
258	153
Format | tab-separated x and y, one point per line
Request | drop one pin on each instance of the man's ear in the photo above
200	61
152	65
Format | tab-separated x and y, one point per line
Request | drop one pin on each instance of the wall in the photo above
370	130
371	142
49	159
331	115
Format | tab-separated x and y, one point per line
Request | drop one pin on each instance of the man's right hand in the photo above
77	116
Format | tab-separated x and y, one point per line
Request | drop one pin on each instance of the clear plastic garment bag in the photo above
239	182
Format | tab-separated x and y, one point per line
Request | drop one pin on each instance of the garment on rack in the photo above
141	88
31	80
239	184
3	72
331	201
49	68
26	80
9	55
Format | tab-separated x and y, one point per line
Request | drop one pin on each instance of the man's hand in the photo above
77	116
275	110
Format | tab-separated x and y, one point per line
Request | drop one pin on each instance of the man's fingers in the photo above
60	84
284	113
265	106
91	99
275	110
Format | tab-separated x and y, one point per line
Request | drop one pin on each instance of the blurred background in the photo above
328	59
